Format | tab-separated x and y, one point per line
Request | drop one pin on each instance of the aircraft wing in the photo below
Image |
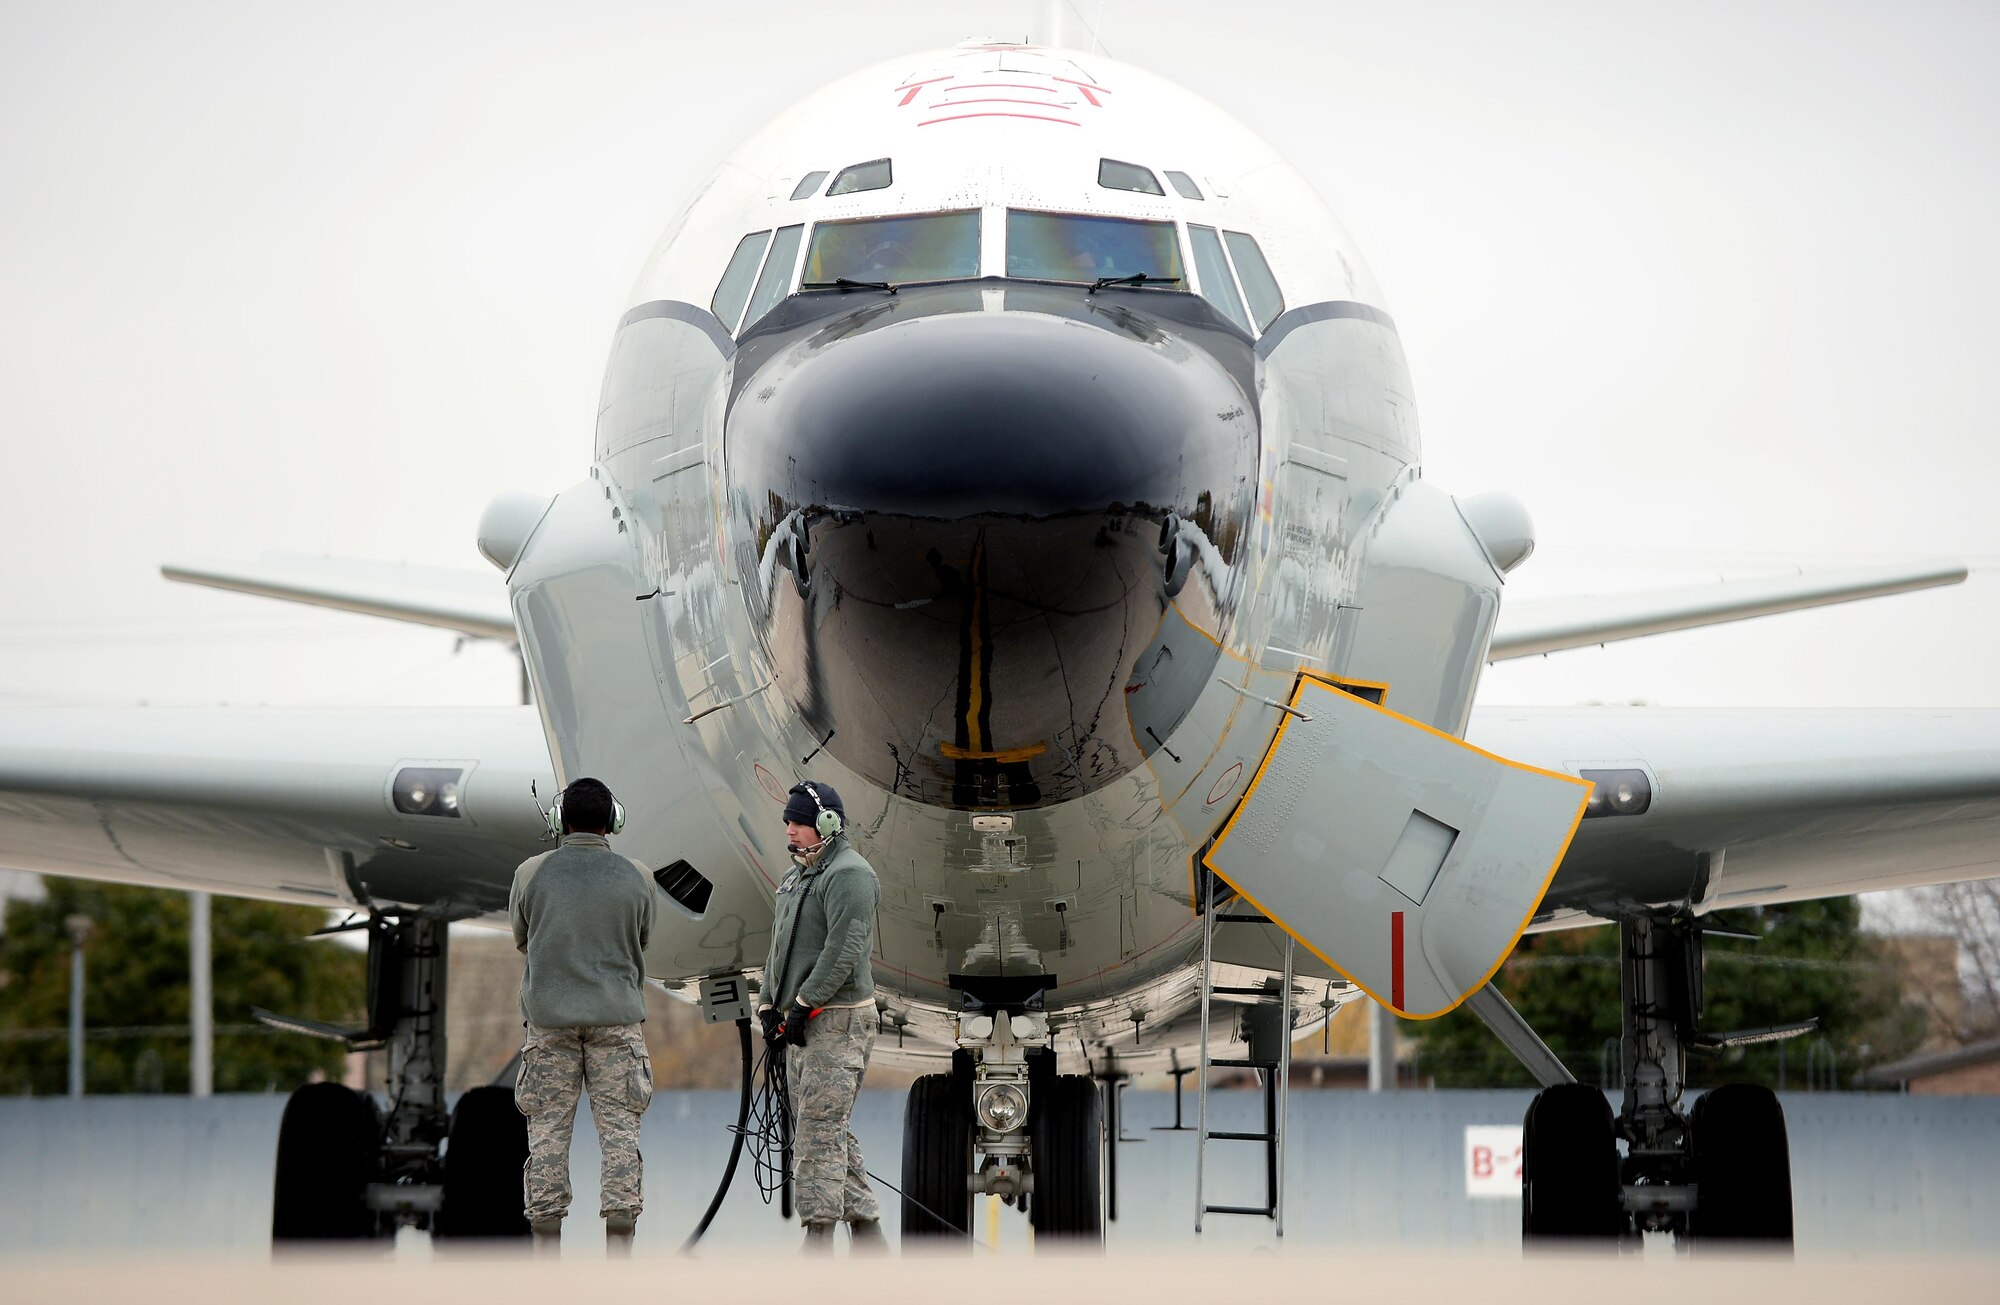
1746	807
1534	626
329	807
296	805
471	602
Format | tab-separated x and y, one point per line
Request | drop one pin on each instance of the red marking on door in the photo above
1396	959
1224	784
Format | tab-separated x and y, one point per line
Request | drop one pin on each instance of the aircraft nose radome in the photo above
972	505
983	413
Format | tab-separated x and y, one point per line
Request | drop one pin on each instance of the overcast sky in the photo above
1711	287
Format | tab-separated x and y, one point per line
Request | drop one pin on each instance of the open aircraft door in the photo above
1405	858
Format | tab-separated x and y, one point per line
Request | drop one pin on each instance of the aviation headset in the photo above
828	822
554	814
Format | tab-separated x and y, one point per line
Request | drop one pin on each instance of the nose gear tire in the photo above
937	1158
1067	1136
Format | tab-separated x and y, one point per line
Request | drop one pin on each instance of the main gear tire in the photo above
1742	1168
485	1155
1066	1134
937	1159
328	1142
1570	1192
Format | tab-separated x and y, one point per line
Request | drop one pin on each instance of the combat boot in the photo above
548	1235
868	1238
618	1230
819	1239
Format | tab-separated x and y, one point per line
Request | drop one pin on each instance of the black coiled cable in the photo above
764	1122
770	1130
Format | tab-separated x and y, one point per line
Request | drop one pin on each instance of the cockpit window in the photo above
1182	183
1072	247
775	282
873	175
919	247
1259	286
734	287
809	185
1217	286
1114	175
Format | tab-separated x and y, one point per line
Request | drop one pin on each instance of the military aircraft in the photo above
1010	439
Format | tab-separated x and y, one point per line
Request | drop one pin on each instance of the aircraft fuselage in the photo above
1017	561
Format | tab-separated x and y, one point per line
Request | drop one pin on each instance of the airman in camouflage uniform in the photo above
557	1065
583	914
825	1075
819	996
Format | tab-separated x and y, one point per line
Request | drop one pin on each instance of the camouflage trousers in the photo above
557	1066
825	1077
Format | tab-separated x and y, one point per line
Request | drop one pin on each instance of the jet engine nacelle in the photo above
1428	595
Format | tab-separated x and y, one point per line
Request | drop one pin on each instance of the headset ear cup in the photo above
617	816
555	816
828	823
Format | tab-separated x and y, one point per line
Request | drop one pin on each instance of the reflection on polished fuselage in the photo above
986	499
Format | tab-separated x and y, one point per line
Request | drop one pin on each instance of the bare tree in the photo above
1970	914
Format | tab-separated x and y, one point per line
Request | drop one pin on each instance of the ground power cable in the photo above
737	1134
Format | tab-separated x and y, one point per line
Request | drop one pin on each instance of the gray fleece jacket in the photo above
583	914
826	925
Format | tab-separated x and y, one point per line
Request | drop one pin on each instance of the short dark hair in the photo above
586	807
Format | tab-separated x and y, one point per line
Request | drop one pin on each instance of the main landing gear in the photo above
1718	1173
1005	1124
349	1170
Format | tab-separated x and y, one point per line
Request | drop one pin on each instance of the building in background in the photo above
1971	1070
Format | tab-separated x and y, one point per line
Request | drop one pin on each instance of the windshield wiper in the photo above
1137	278
844	284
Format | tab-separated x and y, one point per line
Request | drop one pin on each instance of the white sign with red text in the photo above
1493	1160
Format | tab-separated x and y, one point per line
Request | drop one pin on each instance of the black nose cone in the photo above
990	532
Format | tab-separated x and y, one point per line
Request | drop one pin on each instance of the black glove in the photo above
796	1021
773	1022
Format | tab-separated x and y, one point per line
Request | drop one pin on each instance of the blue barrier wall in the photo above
1872	1174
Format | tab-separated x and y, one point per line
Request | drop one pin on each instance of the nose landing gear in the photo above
1005	1124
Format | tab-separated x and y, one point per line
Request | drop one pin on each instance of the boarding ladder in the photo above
1276	1074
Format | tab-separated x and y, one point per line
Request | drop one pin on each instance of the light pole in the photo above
79	932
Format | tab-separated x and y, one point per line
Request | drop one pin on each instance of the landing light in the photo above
1002	1107
1617	793
427	791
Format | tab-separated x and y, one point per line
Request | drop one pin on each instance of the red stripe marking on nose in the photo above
961	117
